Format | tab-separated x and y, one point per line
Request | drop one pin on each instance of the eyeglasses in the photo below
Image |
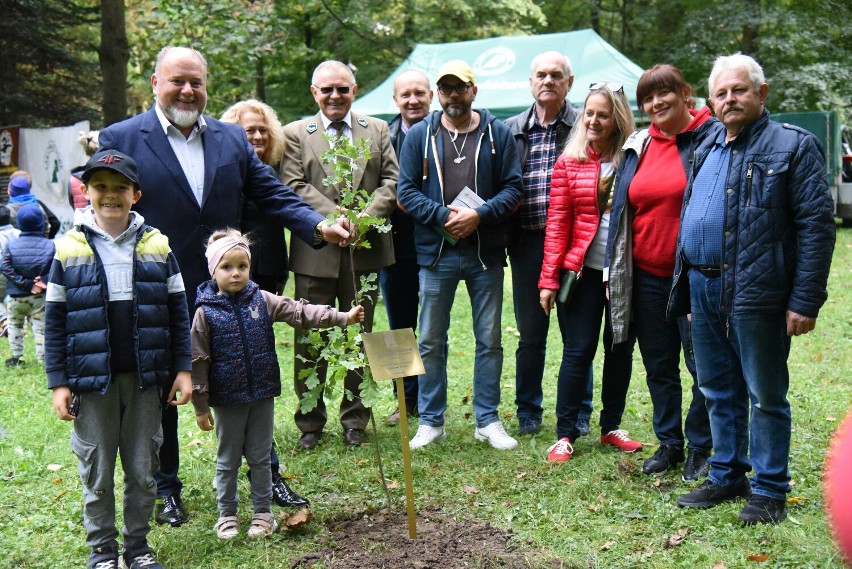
341	90
447	90
614	87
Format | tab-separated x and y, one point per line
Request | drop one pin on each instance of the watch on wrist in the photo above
318	233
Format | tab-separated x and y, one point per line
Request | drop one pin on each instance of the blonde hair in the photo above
577	147
235	112
89	141
21	173
227	232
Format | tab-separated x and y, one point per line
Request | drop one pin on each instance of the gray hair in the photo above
170	48
726	63
332	64
566	63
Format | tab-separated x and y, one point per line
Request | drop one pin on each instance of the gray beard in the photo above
183	119
457	110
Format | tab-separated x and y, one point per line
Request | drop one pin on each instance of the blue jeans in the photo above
660	343
580	325
438	286
742	370
400	291
525	255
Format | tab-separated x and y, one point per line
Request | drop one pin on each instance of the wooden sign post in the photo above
394	355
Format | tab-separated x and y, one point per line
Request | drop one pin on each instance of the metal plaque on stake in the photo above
394	355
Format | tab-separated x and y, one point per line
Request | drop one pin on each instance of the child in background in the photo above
235	370
8	233
26	264
117	338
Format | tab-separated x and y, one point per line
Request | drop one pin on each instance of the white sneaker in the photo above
262	525
427	434
496	435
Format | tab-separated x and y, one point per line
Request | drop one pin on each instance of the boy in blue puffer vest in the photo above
117	338
26	263
235	370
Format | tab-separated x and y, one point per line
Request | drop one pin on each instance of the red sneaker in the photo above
560	451
621	441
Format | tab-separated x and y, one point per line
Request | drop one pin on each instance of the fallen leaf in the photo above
521	475
607	545
298	519
465	400
796	499
676	539
508	503
818	357
831	419
468	415
55	467
57	481
758	557
626	466
594	509
719	565
393	484
8	476
634	515
657	482
57	497
195	443
510	329
470	489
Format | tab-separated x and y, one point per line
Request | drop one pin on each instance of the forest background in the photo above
90	59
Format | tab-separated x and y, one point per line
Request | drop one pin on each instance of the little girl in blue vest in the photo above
235	371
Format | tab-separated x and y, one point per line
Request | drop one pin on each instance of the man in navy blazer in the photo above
193	170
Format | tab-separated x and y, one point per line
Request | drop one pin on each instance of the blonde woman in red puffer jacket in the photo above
574	248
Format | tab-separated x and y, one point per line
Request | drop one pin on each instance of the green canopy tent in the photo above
502	66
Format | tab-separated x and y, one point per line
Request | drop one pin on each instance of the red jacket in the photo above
572	219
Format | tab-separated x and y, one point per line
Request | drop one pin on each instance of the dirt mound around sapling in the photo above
381	540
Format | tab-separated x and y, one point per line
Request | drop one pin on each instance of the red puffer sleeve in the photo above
560	217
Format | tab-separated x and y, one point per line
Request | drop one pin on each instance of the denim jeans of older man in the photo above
525	256
660	342
742	370
438	286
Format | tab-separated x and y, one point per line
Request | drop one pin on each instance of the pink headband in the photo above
217	250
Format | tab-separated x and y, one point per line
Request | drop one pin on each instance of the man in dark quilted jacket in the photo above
757	235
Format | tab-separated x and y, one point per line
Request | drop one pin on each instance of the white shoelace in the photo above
620	434
109	564
146	560
562	447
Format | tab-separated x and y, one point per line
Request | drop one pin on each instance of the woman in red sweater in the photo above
575	241
641	257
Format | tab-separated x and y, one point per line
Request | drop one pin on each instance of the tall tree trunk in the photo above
114	54
750	28
260	79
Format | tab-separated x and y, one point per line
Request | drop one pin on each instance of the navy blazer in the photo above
231	168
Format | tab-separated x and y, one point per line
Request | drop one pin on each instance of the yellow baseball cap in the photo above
456	68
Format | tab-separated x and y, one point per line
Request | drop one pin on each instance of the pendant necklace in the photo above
459	158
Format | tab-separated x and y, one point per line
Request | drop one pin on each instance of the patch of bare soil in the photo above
380	541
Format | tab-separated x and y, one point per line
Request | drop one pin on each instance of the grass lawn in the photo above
599	510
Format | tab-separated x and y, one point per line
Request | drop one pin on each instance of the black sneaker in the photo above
666	457
103	558
763	510
709	494
696	466
15	361
583	426
141	561
528	425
